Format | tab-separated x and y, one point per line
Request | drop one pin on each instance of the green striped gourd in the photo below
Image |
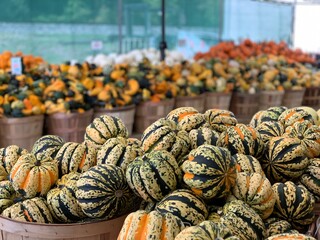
270	115
47	145
153	175
150	225
62	200
247	163
269	130
187	118
311	178
10	155
220	120
297	114
165	135
203	136
75	157
243	221
277	226
119	151
103	192
32	177
285	159
102	128
289	236
255	190
242	139
207	230
3	173
209	171
308	134
294	203
7	195
185	205
30	210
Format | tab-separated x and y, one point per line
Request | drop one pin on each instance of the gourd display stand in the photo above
217	100
21	131
70	126
149	112
269	99
311	97
244	106
293	98
16	230
197	102
126	114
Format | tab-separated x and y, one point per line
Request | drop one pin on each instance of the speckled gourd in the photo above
270	115
277	226
10	155
7	195
209	171
269	130
47	145
247	163
153	175
311	178
203	136
220	120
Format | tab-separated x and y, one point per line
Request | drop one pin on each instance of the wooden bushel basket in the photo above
70	126
148	112
21	131
293	98
16	230
269	99
311	97
196	102
217	100
126	114
244	106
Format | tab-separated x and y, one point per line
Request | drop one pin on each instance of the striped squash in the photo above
9	156
178	114
7	195
277	226
185	205
147	206
270	115
308	134
32	177
203	136
290	236
3	173
165	135
311	178
285	159
144	225
297	114
220	120
62	200
269	130
294	203
30	210
243	221
47	145
207	230
247	163
75	157
102	128
153	175
255	190
242	139
209	171
103	192
119	151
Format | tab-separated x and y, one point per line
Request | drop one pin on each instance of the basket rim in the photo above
22	119
116	109
162	102
71	114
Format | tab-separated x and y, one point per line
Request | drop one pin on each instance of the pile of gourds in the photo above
191	175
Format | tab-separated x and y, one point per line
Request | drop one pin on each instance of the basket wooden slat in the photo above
149	112
70	126
126	114
196	102
293	98
244	106
311	97
269	99
21	131
14	230
217	100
